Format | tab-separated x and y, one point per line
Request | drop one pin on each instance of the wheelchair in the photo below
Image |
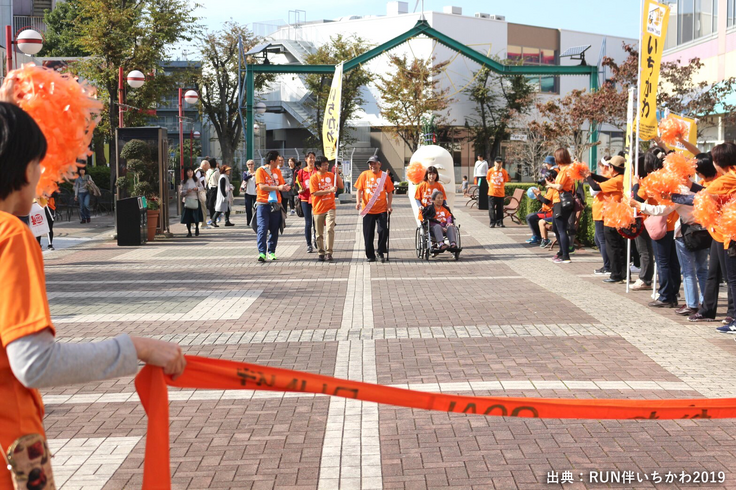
423	243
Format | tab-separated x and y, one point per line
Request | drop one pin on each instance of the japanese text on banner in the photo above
331	123
652	45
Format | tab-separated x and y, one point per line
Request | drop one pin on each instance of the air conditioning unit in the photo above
481	15
452	10
497	17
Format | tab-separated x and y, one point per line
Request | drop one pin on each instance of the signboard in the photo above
692	136
518	137
653	33
331	122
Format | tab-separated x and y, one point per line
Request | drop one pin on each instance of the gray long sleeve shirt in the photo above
40	362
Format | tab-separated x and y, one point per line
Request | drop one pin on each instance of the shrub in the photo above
236	187
101	176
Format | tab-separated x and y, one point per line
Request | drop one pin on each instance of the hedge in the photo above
586	227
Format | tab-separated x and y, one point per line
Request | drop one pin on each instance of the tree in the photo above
114	33
531	150
497	97
338	49
61	38
219	82
410	93
567	122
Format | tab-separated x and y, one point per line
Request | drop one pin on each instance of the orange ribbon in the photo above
151	384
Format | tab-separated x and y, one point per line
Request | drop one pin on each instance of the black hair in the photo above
551	175
622	154
465	176
705	165
213	161
187	169
654	159
320	160
272	156
21	142
498	159
641	167
431	170
724	155
310	153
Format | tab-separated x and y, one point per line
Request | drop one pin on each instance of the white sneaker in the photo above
639	285
292	212
634	269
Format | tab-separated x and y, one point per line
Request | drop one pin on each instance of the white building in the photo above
491	35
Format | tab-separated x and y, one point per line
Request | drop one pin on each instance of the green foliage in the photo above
101	176
218	82
497	98
142	178
338	49
402	187
409	93
61	39
236	187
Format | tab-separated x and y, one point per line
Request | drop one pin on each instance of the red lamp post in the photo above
190	97
135	79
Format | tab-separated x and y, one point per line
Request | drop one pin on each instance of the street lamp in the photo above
260	108
29	42
135	79
191	97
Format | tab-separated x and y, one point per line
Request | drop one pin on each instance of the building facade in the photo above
706	29
492	35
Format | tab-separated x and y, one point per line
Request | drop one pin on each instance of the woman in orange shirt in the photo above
423	194
564	184
29	356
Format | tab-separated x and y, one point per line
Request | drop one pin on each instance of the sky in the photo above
615	18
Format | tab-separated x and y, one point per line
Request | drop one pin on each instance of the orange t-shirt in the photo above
550	196
441	214
725	185
263	177
25	311
425	190
496	182
368	183
563	178
612	188
320	182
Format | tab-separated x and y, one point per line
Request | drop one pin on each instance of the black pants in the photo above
616	250
217	215
250	201
646	257
211	200
369	227
495	209
559	226
716	272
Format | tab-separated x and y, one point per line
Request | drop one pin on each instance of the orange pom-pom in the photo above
415	172
680	165
617	214
578	170
661	184
727	220
706	209
67	113
672	130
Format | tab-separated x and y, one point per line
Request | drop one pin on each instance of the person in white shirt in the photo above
200	176
213	179
481	169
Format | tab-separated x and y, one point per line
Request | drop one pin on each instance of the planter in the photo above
152	216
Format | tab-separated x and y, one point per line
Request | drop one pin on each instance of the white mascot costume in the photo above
436	156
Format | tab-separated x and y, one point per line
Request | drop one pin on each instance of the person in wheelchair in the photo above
440	223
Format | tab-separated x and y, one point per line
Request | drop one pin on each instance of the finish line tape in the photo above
216	374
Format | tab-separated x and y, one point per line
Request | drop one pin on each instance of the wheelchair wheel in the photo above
418	242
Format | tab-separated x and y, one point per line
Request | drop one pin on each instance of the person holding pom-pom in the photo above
611	187
564	184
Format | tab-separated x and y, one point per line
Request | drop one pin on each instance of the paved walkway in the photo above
502	321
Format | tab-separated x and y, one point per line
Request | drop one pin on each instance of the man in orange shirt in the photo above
375	194
29	356
323	186
269	186
497	178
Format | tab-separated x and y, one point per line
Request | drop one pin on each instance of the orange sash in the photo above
151	384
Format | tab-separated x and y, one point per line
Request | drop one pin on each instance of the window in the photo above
693	19
536	56
731	13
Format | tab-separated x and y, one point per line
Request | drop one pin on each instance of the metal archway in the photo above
247	71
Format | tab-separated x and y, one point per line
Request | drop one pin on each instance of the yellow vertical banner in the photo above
653	33
692	135
331	122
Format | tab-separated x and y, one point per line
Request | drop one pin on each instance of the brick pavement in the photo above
501	321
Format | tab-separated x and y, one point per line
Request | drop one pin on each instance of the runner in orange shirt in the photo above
323	186
29	356
375	194
497	178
